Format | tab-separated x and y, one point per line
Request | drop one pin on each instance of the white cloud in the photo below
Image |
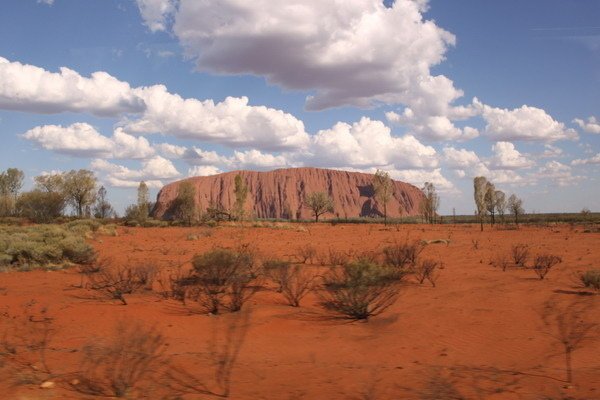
232	122
152	171
83	140
524	123
360	53
460	158
47	2
203	170
29	88
559	173
418	177
592	160
155	13
551	151
592	125
506	156
368	143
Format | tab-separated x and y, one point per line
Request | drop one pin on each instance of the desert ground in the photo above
480	333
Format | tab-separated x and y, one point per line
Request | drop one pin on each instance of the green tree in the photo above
241	193
515	205
320	203
52	183
79	189
431	202
40	206
479	186
143	204
490	201
500	204
11	182
103	209
185	203
384	189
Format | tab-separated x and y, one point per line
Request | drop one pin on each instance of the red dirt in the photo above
479	333
281	193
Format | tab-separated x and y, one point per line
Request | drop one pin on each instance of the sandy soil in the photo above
481	333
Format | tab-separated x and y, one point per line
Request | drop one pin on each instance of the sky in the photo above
430	91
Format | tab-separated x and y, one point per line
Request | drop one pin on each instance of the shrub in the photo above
306	253
39	206
223	274
543	263
403	255
359	290
45	246
520	254
500	261
293	281
427	270
116	282
591	279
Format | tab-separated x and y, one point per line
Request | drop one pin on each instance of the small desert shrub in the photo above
475	244
359	290
306	253
500	261
427	270
403	255
293	280
543	263
591	279
123	366
175	284
145	274
520	254
334	257
46	246
222	279
116	282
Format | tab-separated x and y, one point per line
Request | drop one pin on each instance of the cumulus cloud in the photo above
368	143
524	123
29	88
592	160
83	140
551	151
152	171
592	125
232	122
47	2
335	58
204	170
506	156
559	173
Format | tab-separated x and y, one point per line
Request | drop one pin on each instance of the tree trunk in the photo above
481	221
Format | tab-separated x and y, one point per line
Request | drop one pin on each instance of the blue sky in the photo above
428	90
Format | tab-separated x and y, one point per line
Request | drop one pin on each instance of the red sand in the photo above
478	335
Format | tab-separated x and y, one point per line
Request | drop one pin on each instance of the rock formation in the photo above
281	193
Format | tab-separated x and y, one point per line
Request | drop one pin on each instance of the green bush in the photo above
360	289
591	279
46	246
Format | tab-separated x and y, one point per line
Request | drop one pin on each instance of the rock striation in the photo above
281	194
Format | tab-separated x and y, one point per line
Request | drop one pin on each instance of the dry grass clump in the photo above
543	263
360	289
306	253
590	279
42	246
427	270
294	281
403	255
520	254
114	282
221	279
500	261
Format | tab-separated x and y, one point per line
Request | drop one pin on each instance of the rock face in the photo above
281	193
